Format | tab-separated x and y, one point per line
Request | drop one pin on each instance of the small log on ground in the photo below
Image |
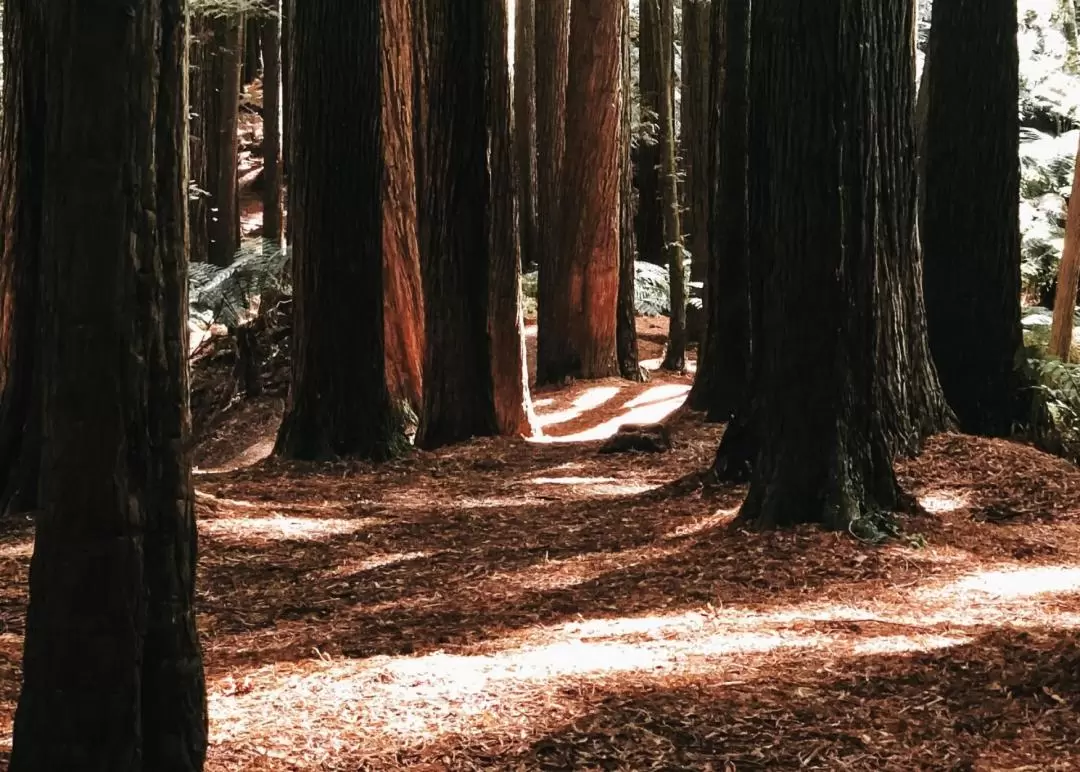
639	438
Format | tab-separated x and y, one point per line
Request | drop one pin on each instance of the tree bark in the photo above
675	355
252	49
626	325
339	404
821	217
21	162
525	127
589	275
114	557
404	301
286	88
723	374
553	354
1061	331
272	182
650	218
970	224
695	148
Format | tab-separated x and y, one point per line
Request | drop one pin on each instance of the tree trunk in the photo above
272	183
723	374
203	112
590	215
695	148
626	326
525	127
223	222
21	159
469	243
553	354
339	404
1061	331
404	301
675	356
286	88
114	556
821	213
650	218
970	226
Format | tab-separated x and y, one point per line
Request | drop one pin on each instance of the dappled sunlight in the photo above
943	501
589	400
658	394
718	518
651	413
603	486
359	565
19	550
281	528
1013	582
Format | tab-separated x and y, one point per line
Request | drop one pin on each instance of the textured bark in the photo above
626	325
272	181
21	163
202	111
553	353
525	127
970	221
1061	331
252	50
112	672
468	241
339	404
590	216
404	304
818	143
723	374
696	65
286	86
675	355
650	218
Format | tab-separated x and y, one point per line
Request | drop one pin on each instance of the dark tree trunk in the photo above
525	127
468	241
21	164
404	301
202	109
696	65
650	219
252	50
272	182
626	329
970	220
675	355
723	374
339	404
553	352
112	671
589	277
821	225
286	87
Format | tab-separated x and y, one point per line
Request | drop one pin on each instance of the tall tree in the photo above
552	61
589	271
650	218
404	302
970	210
1061	331
272	178
724	356
525	126
339	404
694	104
830	164
675	355
626	326
21	162
474	382
114	554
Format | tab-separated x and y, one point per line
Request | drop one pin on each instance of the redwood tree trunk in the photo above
626	325
272	182
339	404
404	303
114	556
525	127
223	220
590	215
650	218
553	353
1061	332
694	105
970	223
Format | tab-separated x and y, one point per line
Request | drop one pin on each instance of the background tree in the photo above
1061	332
552	61
650	218
675	355
970	212
626	325
525	125
589	275
339	404
694	106
271	85
114	554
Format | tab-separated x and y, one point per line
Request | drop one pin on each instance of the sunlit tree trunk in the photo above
1061	331
114	553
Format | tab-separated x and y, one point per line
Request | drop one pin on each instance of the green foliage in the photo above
1054	422
1046	166
229	296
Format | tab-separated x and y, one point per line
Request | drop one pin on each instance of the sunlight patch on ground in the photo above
608	486
17	550
200	494
653	365
1019	583
718	518
589	400
351	567
280	528
940	502
658	394
646	414
560	574
903	644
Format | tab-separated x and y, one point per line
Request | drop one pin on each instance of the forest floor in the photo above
514	604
